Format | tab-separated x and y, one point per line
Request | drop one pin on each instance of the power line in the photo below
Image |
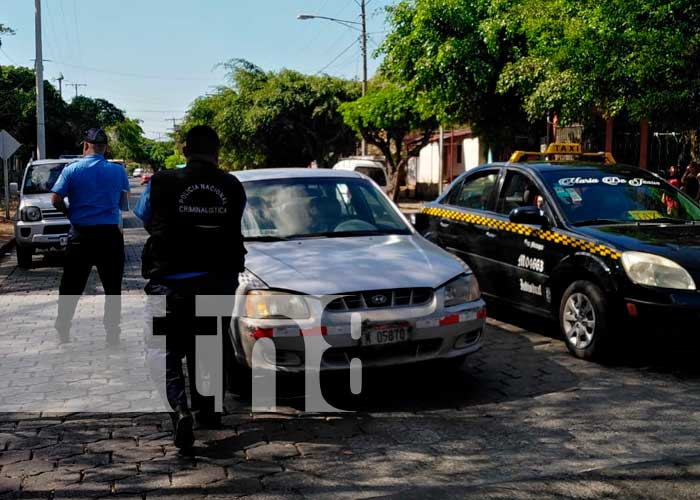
8	56
353	44
132	75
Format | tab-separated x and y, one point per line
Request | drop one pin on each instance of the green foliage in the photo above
384	117
276	119
607	57
174	160
126	141
158	152
440	51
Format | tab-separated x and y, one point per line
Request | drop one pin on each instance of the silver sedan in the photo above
330	255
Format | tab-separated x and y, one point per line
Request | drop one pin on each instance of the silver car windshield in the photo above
41	178
317	207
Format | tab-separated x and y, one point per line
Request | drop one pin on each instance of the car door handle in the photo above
445	222
490	234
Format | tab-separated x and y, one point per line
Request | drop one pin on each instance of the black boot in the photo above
182	428
208	420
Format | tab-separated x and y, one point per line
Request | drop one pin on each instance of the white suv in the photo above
38	225
374	169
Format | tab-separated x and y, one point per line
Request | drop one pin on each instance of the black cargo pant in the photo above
181	326
100	246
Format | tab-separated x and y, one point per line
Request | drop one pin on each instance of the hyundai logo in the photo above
379	300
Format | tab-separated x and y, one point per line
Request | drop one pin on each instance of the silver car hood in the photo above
327	266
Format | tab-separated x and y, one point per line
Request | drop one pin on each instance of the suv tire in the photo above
24	257
585	320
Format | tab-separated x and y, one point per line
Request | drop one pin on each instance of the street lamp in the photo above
363	44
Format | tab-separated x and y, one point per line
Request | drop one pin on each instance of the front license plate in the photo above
385	334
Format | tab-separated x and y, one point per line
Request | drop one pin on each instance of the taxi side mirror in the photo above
528	215
14	189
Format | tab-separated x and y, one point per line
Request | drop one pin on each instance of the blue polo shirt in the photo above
93	187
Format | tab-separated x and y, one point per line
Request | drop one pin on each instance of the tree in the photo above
449	55
85	113
277	119
384	117
126	140
158	152
65	123
635	58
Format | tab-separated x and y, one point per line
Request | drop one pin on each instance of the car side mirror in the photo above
528	215
14	189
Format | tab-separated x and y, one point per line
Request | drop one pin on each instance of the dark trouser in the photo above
88	246
180	327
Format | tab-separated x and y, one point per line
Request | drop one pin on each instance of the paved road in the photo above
521	419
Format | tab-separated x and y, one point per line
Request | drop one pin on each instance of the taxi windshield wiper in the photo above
661	220
598	222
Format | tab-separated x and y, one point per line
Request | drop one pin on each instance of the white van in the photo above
374	169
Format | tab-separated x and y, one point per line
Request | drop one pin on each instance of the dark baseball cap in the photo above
95	136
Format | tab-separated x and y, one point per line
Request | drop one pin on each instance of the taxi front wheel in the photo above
584	320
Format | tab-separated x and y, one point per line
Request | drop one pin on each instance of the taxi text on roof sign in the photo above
563	148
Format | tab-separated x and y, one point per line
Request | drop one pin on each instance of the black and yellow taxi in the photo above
576	237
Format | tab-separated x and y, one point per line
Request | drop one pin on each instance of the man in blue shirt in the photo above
95	190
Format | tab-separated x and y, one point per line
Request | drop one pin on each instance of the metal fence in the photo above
15	172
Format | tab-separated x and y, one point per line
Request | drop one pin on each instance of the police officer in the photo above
195	247
96	190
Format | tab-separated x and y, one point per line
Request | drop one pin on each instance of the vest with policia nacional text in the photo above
196	222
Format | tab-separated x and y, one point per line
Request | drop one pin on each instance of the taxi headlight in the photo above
654	270
31	214
461	290
268	304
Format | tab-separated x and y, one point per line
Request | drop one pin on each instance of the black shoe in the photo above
208	420
63	336
113	340
182	429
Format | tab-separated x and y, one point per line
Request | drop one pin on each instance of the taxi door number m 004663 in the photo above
385	334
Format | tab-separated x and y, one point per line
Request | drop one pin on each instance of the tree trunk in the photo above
694	145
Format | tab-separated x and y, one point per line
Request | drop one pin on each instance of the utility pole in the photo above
363	16
174	120
60	85
39	70
75	86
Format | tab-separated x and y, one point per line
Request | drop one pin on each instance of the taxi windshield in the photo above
317	207
616	195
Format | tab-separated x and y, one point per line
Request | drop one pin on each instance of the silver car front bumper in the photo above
441	334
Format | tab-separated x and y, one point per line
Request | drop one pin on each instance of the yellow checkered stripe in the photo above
545	235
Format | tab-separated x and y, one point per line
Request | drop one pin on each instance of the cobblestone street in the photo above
521	419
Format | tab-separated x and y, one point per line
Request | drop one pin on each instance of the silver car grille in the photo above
52	214
381	299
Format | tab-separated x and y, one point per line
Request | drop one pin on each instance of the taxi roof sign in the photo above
561	148
564	148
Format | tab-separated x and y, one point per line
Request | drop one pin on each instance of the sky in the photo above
152	58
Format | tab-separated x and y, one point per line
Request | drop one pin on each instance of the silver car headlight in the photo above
269	304
654	270
461	290
31	214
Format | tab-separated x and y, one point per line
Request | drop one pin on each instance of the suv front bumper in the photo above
44	234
